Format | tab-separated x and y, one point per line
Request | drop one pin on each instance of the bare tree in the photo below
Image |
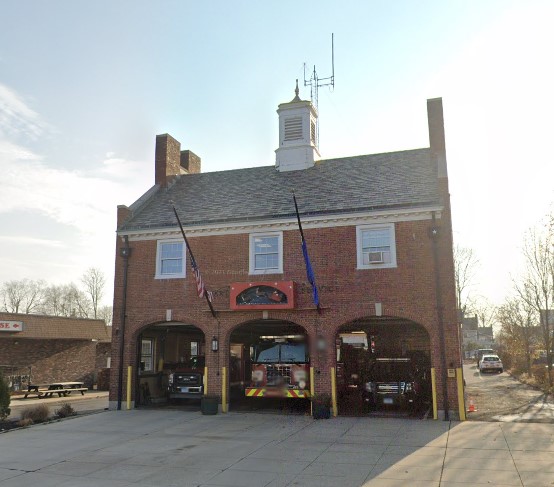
519	324
94	282
66	300
483	309
22	296
53	301
537	286
465	268
106	313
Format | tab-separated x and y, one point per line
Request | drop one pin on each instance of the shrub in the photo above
25	422
65	411
540	375
38	414
4	398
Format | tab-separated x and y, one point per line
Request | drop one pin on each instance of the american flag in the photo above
200	287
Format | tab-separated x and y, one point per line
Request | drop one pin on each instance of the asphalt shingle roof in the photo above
347	185
58	327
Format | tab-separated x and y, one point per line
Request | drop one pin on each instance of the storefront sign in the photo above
262	295
11	325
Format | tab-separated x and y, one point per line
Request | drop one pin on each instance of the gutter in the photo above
125	252
440	317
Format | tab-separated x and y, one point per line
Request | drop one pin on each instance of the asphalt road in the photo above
500	397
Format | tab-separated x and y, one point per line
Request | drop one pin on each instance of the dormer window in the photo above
293	128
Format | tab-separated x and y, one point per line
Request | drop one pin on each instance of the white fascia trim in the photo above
284	224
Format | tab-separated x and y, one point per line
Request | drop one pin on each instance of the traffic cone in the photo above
471	406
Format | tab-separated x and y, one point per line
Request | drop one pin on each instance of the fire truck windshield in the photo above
273	353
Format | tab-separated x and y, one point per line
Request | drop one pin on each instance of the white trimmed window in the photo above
266	253
147	355
170	259
376	246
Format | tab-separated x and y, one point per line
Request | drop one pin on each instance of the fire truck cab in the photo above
280	367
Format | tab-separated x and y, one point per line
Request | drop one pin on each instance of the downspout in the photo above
125	252
440	317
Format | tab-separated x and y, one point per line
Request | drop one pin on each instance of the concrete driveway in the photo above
176	448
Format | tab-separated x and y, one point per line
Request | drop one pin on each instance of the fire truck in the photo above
280	368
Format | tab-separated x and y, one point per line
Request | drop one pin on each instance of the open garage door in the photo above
171	360
269	367
383	367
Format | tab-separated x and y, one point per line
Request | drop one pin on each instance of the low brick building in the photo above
378	231
44	349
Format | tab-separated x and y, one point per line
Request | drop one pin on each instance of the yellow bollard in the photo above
224	390
129	377
434	391
205	381
461	400
334	391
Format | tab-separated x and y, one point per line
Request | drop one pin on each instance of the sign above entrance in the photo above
11	325
262	295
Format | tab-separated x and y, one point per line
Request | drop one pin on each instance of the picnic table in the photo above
60	388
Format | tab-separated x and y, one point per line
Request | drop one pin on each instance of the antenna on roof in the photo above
315	82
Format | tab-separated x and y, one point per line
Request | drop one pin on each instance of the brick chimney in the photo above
436	136
171	161
123	214
190	162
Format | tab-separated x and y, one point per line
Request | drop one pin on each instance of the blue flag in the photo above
310	273
309	270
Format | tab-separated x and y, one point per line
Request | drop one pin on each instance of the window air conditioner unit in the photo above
375	257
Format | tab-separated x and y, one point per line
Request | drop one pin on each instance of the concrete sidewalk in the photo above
176	448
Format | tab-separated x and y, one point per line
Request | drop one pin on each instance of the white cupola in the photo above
297	135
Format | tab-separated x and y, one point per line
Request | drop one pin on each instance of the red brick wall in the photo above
54	360
408	291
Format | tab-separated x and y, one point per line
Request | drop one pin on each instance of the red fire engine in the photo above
280	368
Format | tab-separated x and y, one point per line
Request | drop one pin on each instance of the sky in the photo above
85	87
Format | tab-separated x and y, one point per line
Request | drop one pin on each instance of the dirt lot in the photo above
500	397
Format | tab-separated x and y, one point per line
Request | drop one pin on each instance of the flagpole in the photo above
298	216
206	295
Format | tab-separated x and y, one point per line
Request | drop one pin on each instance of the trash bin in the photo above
209	404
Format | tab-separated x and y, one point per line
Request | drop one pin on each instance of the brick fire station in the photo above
379	238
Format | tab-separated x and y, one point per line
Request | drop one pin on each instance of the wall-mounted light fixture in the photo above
215	344
125	252
321	343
